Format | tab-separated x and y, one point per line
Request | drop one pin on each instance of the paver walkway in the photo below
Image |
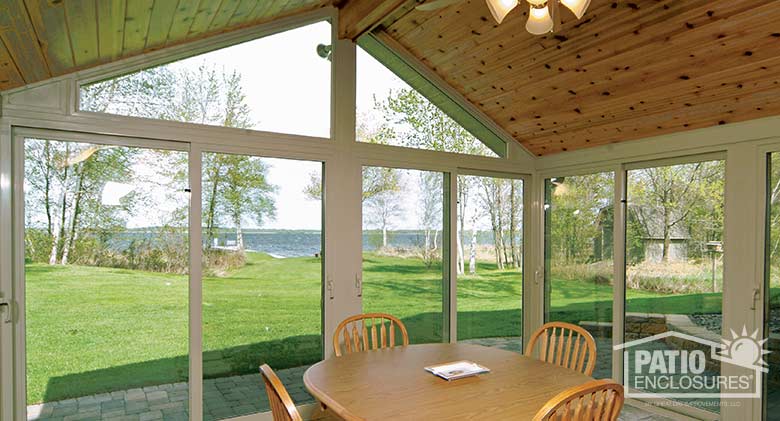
228	397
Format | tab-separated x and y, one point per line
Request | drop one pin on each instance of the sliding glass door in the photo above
490	261
579	287
674	268
105	279
403	247
262	278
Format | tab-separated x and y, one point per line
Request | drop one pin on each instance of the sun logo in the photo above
745	350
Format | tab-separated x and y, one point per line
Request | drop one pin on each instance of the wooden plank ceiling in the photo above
627	70
40	39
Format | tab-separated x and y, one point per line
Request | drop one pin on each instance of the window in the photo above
403	248
391	112
772	288
106	279
490	261
268	84
674	258
579	285
262	283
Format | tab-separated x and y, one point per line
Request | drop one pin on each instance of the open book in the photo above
457	370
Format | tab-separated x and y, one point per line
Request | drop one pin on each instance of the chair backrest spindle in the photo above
371	330
565	345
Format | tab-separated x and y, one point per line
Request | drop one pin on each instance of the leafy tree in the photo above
147	93
576	208
681	193
246	193
431	215
66	179
421	124
383	209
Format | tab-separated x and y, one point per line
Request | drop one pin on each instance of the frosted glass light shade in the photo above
500	8
578	7
539	21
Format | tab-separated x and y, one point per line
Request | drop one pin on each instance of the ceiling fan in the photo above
539	22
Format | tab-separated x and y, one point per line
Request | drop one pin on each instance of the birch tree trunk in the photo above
56	244
473	251
74	217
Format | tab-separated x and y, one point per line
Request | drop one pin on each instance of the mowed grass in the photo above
93	330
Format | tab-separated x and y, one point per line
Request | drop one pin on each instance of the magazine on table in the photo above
457	370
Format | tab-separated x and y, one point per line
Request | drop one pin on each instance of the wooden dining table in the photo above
392	384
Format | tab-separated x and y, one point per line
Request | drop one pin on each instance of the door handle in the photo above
359	285
5	307
756	298
330	288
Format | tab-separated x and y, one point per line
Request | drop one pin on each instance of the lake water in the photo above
289	243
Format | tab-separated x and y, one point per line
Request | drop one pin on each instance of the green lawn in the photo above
91	330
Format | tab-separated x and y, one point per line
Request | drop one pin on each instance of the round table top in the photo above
392	384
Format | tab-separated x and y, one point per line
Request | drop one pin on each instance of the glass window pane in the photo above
674	266
390	112
578	257
402	248
278	83
489	261
106	264
262	285
772	311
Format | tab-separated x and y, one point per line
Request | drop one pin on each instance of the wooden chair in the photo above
598	400
566	345
354	331
282	406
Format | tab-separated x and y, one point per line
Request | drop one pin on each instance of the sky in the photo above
287	88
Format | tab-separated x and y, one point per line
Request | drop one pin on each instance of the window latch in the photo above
5	307
330	289
359	285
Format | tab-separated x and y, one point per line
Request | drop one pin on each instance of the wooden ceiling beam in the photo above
356	17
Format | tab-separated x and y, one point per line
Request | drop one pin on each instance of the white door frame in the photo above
762	260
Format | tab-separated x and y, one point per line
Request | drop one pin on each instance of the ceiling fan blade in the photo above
430	6
81	156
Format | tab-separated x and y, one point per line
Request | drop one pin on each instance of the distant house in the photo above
650	220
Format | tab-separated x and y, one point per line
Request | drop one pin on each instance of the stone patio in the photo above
229	397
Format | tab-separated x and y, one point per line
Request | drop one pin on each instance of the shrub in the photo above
597	272
672	277
220	263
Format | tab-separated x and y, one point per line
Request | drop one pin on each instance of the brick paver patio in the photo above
229	397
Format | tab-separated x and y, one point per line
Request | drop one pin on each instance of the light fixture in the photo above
539	20
500	8
578	7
